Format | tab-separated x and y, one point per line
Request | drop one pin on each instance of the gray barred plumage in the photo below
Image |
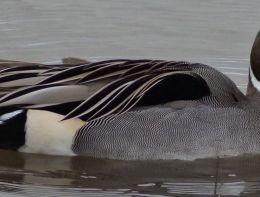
163	133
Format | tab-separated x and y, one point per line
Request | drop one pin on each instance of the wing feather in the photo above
131	83
112	101
46	94
77	71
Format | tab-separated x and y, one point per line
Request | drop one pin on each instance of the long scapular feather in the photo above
114	100
138	67
46	94
101	93
4	64
152	65
54	70
24	69
124	102
132	100
110	70
17	76
77	71
21	81
22	91
122	69
123	94
145	87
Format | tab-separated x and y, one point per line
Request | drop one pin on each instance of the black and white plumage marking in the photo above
135	109
134	80
12	128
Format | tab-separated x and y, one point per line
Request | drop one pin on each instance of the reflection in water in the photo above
32	174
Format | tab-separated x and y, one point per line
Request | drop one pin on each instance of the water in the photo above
31	175
218	33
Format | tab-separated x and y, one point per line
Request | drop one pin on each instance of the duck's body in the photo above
132	109
164	133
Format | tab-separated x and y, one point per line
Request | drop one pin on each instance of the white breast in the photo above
46	134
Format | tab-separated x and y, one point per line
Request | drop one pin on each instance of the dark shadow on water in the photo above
32	174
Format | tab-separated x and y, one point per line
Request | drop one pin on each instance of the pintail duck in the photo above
129	109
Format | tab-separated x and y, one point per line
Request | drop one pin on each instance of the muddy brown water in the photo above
218	33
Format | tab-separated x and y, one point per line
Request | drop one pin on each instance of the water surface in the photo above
31	174
218	33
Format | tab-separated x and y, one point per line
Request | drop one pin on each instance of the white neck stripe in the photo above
254	80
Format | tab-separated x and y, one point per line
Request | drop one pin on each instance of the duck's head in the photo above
12	128
254	74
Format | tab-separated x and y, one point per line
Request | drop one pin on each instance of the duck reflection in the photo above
226	176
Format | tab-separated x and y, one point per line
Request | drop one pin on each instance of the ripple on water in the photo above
24	174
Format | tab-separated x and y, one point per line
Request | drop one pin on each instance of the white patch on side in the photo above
46	134
254	80
10	115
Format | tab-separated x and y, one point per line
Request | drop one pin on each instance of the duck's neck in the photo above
253	85
253	88
253	93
